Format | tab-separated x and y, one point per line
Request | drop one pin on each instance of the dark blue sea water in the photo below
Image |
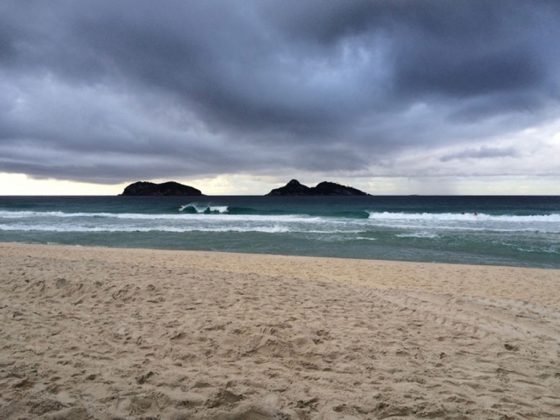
520	231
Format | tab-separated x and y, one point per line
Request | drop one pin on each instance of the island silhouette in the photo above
292	188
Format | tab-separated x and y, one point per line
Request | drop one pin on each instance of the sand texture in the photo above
104	334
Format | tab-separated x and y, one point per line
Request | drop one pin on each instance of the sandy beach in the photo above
128	333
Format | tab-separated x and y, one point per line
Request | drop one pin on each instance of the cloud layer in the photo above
110	91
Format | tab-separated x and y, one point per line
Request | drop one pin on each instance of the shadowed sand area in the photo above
127	333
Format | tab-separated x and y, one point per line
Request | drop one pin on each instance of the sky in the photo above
238	97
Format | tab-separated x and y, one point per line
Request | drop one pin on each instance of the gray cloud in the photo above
112	91
481	153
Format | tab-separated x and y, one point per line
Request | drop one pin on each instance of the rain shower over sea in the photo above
513	230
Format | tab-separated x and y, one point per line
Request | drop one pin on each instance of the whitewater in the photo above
483	230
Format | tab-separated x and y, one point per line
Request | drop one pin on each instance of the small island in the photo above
292	188
325	188
171	188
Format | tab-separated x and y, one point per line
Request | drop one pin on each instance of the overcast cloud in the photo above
111	91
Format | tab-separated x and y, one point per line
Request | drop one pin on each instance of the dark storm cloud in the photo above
116	90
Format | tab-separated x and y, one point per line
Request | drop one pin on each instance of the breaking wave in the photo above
196	208
465	217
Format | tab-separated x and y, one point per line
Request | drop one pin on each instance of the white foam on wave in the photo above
420	235
464	217
128	229
410	224
26	213
162	216
203	208
221	213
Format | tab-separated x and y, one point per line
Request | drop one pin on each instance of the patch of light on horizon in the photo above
20	184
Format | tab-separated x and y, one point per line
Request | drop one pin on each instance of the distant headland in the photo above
292	188
171	188
295	188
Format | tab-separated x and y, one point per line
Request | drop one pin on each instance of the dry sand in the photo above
114	333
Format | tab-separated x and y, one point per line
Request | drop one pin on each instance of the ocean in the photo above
498	230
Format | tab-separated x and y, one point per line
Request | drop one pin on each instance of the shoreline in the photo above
250	254
98	332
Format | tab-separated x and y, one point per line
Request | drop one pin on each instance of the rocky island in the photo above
295	188
171	188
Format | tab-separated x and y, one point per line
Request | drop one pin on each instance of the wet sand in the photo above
125	333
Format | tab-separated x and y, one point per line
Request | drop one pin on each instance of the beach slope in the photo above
128	333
